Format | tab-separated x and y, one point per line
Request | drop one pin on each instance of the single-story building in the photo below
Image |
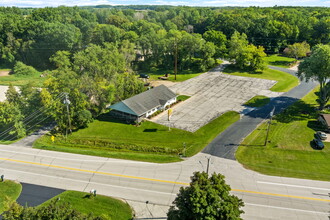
325	120
143	105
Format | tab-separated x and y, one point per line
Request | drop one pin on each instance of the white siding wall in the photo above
150	112
169	102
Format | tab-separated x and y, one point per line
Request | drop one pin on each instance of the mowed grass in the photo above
9	192
181	75
35	79
151	142
280	61
100	206
285	81
289	151
258	101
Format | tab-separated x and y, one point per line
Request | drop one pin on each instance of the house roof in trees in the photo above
326	118
145	101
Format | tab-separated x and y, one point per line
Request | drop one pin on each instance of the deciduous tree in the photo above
206	198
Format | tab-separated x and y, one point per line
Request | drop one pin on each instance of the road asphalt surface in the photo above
150	188
226	144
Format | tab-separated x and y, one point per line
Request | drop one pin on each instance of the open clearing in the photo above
212	94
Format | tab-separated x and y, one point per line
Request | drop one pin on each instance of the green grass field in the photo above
151	142
35	79
9	192
285	81
258	101
280	61
289	151
181	75
102	206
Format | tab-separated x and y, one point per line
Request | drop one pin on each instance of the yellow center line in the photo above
158	180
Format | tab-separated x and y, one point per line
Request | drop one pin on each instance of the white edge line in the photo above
290	209
88	182
106	159
297	186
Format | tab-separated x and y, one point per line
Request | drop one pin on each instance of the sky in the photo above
261	3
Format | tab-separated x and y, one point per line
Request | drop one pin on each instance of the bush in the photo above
83	118
20	69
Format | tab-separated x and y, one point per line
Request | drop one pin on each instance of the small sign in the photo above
170	112
52	138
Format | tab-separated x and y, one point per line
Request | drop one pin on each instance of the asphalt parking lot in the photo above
212	94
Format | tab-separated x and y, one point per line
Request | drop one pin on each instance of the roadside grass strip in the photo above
289	151
149	141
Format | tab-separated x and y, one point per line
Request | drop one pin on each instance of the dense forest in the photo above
93	53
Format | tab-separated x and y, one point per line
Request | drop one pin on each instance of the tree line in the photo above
91	54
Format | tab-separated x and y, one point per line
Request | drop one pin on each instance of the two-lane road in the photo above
138	182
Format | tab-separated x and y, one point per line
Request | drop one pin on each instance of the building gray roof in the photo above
145	101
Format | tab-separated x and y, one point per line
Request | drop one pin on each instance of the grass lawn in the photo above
182	98
280	61
151	142
258	101
289	151
35	79
9	192
102	206
285	81
181	75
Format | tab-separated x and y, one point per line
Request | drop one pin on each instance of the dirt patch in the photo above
4	72
162	82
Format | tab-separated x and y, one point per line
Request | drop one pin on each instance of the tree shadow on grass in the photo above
233	69
299	111
280	63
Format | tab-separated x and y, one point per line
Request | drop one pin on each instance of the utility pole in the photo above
67	103
175	59
269	123
184	149
208	165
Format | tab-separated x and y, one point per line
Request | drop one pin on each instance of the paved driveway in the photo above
212	94
3	90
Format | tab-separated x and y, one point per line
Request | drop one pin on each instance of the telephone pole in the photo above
67	103
269	123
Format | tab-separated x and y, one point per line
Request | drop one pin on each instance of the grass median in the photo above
289	151
258	101
9	192
150	142
100	206
285	81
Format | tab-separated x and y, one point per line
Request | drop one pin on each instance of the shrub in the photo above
20	69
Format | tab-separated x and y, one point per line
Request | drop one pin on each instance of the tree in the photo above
298	50
317	67
244	55
206	198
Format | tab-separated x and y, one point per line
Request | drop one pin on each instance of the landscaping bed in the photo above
290	151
